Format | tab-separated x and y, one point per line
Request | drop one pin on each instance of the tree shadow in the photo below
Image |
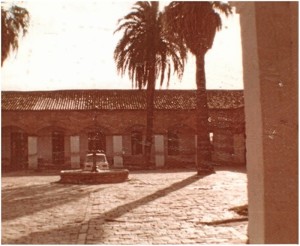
27	173
111	215
27	200
67	234
120	210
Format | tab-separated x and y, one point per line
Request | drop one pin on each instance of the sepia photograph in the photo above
149	122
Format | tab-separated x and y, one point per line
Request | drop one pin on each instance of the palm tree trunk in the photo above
203	144
151	84
150	118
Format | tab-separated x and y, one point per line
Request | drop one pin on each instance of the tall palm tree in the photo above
196	24
14	21
147	52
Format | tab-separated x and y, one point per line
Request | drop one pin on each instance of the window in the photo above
173	143
96	141
136	143
58	148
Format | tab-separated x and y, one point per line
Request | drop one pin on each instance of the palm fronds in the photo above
14	22
196	22
145	46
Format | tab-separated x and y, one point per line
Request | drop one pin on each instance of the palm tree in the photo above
196	24
14	21
147	52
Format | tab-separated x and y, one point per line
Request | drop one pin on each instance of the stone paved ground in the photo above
153	207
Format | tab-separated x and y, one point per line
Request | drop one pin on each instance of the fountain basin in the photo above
87	177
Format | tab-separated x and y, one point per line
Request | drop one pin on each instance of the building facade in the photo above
57	128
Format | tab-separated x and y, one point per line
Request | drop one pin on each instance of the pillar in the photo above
159	150
32	152
270	62
75	152
118	151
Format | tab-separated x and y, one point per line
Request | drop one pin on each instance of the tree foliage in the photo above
196	22
146	47
14	22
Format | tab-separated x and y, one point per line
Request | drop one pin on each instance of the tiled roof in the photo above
116	99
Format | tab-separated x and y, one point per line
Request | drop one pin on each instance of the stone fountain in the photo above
95	175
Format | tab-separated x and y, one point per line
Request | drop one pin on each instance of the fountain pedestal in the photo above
88	177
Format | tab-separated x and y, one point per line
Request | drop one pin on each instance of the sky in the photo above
70	45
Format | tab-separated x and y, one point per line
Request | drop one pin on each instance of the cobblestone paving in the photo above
153	207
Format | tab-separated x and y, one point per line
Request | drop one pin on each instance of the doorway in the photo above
19	150
58	148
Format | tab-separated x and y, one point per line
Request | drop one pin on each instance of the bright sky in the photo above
70	45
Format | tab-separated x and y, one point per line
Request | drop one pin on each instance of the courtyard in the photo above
152	207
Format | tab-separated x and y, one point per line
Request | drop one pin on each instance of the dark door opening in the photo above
136	143
58	148
19	150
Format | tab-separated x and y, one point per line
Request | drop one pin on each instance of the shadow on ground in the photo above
26	173
26	200
112	215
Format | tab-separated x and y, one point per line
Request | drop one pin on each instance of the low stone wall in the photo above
84	177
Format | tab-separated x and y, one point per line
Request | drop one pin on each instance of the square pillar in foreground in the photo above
270	67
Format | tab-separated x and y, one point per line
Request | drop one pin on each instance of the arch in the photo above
12	128
50	128
136	127
99	128
182	128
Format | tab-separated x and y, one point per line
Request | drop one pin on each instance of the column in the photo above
32	152
118	151
159	150
75	152
270	58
